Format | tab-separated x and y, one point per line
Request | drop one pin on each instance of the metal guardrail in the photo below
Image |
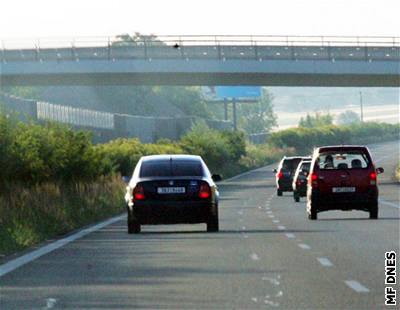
74	116
202	46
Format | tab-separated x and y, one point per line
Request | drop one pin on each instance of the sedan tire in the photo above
213	222
133	225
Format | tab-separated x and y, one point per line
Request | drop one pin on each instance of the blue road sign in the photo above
238	92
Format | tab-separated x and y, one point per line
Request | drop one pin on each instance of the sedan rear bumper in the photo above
172	212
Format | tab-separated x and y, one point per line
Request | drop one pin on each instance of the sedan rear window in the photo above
290	164
343	160
169	168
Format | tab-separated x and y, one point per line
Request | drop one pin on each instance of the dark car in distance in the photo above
342	178
285	172
172	189
299	184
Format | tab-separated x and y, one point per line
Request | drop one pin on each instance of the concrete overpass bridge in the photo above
204	60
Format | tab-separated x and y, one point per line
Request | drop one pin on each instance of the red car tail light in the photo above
138	193
372	178
205	191
279	175
314	179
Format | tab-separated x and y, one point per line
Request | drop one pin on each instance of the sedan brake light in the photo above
279	175
138	192
205	191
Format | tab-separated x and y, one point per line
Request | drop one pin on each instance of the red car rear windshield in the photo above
343	160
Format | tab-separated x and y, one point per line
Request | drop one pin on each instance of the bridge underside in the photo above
263	79
203	72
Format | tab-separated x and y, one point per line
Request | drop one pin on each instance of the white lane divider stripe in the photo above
325	262
357	286
304	246
275	221
254	256
24	259
271	216
281	227
290	235
389	204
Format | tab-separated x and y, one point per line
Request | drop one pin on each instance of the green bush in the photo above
304	139
218	149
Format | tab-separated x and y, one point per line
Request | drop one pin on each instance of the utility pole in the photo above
234	114
361	107
226	109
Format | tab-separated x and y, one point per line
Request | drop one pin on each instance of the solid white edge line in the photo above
389	204
324	261
24	259
246	173
357	286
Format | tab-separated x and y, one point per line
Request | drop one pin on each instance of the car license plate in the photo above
171	190
343	189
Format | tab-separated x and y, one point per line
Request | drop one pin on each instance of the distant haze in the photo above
49	18
329	98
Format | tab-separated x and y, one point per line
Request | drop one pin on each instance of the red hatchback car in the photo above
342	178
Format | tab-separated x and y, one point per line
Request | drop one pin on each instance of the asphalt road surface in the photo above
267	255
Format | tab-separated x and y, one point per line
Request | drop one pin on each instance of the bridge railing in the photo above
202	47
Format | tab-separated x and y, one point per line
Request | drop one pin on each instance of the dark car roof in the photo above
341	147
297	157
171	157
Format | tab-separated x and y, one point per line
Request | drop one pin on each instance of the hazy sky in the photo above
51	18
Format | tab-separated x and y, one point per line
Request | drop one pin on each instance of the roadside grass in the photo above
30	215
397	174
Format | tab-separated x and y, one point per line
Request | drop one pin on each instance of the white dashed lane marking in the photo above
324	261
254	256
304	246
290	235
281	227
271	216
275	221
357	286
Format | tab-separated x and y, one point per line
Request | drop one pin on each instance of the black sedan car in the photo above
172	189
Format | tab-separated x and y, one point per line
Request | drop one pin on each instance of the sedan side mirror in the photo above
275	171
216	177
380	170
125	179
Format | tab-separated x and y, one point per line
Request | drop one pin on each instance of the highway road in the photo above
267	255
